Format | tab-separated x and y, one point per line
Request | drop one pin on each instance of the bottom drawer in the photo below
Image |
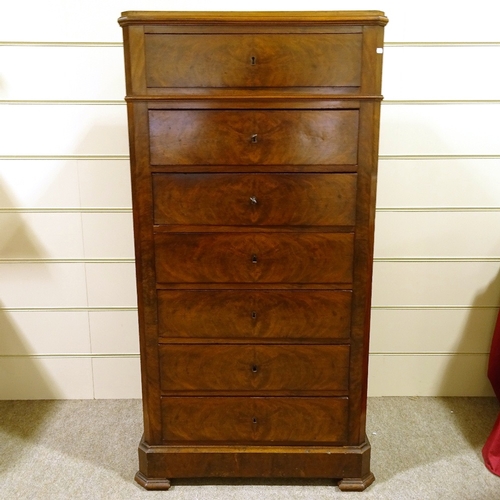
254	419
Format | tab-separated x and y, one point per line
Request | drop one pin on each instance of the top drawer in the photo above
253	60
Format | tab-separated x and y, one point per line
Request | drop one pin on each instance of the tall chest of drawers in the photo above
253	140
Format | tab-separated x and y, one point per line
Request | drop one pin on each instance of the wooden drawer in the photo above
254	257
254	368
251	419
255	199
253	60
254	314
253	137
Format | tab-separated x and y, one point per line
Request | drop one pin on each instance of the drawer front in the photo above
255	199
247	60
254	368
250	314
242	419
254	257
250	137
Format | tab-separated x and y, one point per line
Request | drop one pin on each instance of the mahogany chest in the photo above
253	141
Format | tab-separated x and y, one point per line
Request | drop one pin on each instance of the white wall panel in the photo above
428	375
38	183
436	283
71	130
445	183
45	378
114	332
432	330
62	184
42	285
41	236
34	332
111	284
117	378
431	234
108	235
61	73
446	73
451	129
104	183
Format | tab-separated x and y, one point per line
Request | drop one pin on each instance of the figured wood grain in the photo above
254	257
255	199
254	368
254	420
251	60
286	281
249	137
254	314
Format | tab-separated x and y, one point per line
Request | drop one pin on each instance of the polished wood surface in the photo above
254	420
253	140
255	199
254	258
254	368
284	315
250	60
249	137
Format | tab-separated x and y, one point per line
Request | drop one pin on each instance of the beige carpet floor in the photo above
422	448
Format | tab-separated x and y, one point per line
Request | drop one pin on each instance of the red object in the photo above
491	449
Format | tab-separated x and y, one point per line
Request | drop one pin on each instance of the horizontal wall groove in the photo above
120	44
432	307
441	44
121	102
83	210
50	309
437	259
72	355
437	157
75	102
438	209
127	157
60	44
136	355
428	353
64	157
65	261
437	101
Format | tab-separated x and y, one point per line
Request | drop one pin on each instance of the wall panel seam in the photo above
60	44
50	210
117	260
56	309
71	355
439	209
120	102
65	157
21	43
436	157
59	102
126	157
427	353
428	307
136	355
131	260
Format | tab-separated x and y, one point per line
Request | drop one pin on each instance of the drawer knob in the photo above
253	60
254	259
254	420
253	200
254	368
254	315
254	138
